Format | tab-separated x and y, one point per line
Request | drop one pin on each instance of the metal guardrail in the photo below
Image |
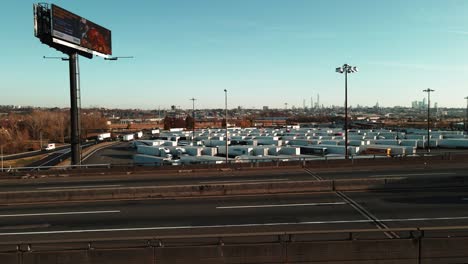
283	236
252	162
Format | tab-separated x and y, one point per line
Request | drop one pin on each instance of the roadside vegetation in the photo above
25	131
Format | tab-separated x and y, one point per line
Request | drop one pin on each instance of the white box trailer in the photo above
415	136
212	159
273	151
453	143
103	136
193	151
139	134
329	142
156	142
334	149
388	150
149	160
214	143
235	150
355	142
409	142
387	135
207	151
259	151
148	150
267	141
168	143
314	150
302	142
128	137
290	151
355	137
392	142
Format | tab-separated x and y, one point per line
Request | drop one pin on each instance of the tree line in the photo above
20	132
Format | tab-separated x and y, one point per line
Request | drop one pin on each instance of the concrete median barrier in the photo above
10	258
113	256
212	190
439	250
162	192
358	252
359	184
377	251
256	253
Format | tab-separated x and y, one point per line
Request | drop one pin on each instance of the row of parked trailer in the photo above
180	146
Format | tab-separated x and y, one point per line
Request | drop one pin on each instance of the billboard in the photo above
79	33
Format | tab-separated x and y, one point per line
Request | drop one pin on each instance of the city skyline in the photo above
265	53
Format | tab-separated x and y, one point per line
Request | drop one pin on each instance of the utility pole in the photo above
40	140
1	154
466	116
428	91
193	121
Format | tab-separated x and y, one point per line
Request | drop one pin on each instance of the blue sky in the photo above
265	52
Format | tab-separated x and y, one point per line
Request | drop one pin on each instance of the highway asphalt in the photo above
55	156
219	177
318	211
121	153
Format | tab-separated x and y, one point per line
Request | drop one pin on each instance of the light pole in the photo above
193	120
466	116
428	91
226	119
346	69
1	154
119	57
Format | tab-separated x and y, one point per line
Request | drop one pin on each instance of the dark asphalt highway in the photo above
55	156
216	177
320	211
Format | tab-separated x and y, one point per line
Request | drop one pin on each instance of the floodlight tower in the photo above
428	91
346	69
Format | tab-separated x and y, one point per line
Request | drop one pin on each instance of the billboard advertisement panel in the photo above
80	32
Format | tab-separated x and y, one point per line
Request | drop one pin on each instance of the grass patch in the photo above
22	162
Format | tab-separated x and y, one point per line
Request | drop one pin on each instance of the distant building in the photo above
265	108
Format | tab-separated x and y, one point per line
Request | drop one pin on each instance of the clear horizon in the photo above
265	53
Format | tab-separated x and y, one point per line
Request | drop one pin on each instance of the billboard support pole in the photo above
74	110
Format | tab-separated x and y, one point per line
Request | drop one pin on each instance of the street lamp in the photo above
466	117
428	91
119	57
226	118
346	69
1	155
193	120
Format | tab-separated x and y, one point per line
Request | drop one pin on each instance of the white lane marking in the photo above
78	187
240	181
414	174
224	226
62	213
277	205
